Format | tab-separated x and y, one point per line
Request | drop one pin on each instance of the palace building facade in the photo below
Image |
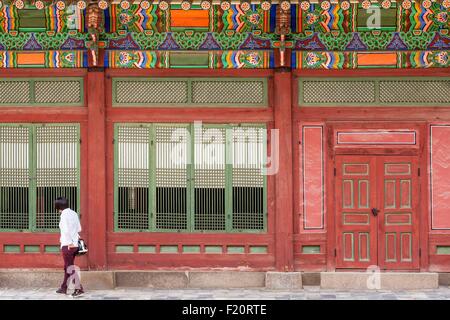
216	135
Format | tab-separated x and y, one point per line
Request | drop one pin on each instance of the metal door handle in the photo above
375	211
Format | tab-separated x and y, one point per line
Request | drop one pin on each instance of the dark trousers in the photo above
70	268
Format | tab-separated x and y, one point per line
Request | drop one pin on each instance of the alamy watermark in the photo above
374	19
374	278
248	148
74	280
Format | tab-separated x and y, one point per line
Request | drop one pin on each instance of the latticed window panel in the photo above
58	92
337	91
171	177
209	178
38	163
14	92
42	92
14	177
248	181
210	182
151	92
57	171
234	92
133	176
415	91
398	91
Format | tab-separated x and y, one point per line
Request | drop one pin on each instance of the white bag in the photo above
82	247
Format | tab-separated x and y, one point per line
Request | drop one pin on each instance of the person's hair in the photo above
61	203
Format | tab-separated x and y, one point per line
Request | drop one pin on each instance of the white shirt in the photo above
69	224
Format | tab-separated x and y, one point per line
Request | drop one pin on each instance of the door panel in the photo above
355	194
398	217
376	212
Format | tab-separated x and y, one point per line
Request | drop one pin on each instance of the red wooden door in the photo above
376	212
356	226
398	221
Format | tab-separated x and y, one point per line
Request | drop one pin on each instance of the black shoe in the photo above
61	291
77	293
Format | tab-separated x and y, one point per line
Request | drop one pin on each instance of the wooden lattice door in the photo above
376	212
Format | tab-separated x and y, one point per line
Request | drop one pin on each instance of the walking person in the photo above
69	225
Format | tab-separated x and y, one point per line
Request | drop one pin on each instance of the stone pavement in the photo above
308	293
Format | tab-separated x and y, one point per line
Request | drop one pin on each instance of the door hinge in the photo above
420	252
335	252
335	172
80	141
113	141
418	172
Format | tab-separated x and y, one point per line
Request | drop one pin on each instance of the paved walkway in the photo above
309	293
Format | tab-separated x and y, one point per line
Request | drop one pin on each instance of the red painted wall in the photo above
287	231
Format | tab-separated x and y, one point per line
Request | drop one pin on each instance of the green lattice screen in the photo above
168	179
132	177
38	163
371	91
248	156
65	91
195	92
57	166
171	177
14	177
210	178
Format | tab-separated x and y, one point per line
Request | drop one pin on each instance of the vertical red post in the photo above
96	195
284	251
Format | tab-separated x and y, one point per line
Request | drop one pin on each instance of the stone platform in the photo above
105	280
379	281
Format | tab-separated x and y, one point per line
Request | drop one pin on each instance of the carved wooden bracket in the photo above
283	28
95	25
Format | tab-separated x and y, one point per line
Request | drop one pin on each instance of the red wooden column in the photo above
96	195
284	250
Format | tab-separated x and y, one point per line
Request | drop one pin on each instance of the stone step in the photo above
379	281
13	278
227	279
154	279
96	280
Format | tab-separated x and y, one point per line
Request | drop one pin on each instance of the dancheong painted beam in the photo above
336	34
